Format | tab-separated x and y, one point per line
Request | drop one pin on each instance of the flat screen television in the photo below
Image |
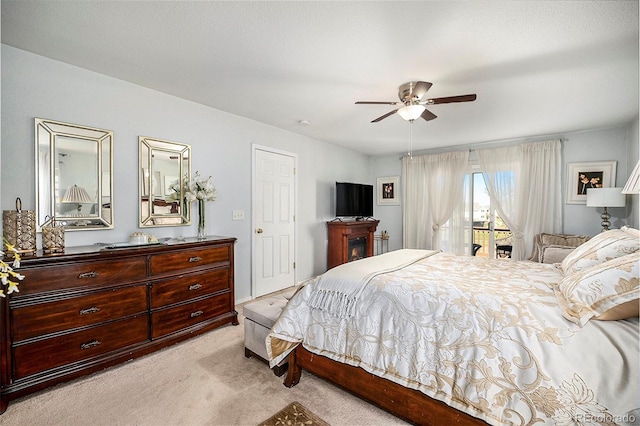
354	200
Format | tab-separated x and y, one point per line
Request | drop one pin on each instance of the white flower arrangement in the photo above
200	189
197	189
7	274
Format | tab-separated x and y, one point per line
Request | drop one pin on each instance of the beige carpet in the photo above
204	381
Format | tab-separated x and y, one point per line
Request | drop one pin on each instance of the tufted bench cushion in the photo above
260	315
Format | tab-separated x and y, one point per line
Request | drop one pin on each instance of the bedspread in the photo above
484	336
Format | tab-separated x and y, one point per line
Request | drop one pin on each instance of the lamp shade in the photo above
411	112
605	197
76	194
633	183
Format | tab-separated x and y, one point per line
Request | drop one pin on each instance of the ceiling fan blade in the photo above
428	115
451	99
382	117
420	89
377	103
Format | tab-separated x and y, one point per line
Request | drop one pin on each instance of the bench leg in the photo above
278	370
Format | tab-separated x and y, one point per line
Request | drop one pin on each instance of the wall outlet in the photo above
238	215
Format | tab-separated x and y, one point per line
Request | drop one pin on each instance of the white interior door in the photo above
273	221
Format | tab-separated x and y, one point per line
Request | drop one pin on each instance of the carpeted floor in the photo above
204	381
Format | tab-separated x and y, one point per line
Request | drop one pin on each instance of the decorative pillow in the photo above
631	231
604	246
563	240
605	291
630	309
554	254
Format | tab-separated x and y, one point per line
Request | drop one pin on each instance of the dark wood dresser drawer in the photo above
167	321
80	274
187	259
45	354
188	287
44	318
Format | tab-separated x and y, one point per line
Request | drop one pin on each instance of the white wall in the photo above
598	145
390	216
35	86
616	143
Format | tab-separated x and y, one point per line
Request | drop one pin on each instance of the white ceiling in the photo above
537	67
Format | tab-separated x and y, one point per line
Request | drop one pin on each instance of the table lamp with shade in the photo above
605	197
76	195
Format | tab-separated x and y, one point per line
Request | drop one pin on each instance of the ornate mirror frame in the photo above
74	175
164	168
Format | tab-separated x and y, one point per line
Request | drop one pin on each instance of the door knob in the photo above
259	231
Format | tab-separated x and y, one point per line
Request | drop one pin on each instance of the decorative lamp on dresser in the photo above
93	307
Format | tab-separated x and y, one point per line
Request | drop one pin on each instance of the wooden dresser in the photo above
92	307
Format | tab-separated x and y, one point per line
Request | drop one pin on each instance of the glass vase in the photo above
202	232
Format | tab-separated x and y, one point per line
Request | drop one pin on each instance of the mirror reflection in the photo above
73	175
164	168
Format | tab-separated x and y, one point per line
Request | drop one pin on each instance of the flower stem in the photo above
202	233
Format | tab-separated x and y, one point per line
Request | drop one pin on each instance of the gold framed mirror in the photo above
74	175
165	166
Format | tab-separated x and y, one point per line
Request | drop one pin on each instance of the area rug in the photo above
294	414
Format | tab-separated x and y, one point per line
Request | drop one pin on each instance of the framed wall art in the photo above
593	174
388	190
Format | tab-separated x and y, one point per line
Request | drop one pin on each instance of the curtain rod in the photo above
496	143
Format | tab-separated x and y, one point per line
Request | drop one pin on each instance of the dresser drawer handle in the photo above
195	259
88	275
195	287
90	344
196	314
91	310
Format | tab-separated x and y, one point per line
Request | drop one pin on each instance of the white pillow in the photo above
554	254
604	246
608	290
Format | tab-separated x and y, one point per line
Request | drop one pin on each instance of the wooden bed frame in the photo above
408	404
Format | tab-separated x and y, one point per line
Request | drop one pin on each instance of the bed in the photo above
437	338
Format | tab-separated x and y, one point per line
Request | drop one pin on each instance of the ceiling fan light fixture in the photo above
411	112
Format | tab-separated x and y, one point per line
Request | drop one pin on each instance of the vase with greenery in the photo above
201	190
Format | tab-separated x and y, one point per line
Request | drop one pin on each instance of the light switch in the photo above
238	215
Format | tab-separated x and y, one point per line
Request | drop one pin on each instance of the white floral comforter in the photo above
484	336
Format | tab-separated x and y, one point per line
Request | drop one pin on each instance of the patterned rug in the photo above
294	414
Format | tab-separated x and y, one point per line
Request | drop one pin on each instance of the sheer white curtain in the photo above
433	186
524	186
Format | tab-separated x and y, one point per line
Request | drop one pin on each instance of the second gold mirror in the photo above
165	166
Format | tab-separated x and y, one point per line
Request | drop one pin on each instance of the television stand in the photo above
349	241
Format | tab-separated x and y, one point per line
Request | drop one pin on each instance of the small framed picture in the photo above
582	176
388	190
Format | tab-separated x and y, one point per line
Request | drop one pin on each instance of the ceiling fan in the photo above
412	105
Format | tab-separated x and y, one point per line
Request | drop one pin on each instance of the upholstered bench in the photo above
260	316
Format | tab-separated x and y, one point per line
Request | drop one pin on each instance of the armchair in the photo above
553	248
